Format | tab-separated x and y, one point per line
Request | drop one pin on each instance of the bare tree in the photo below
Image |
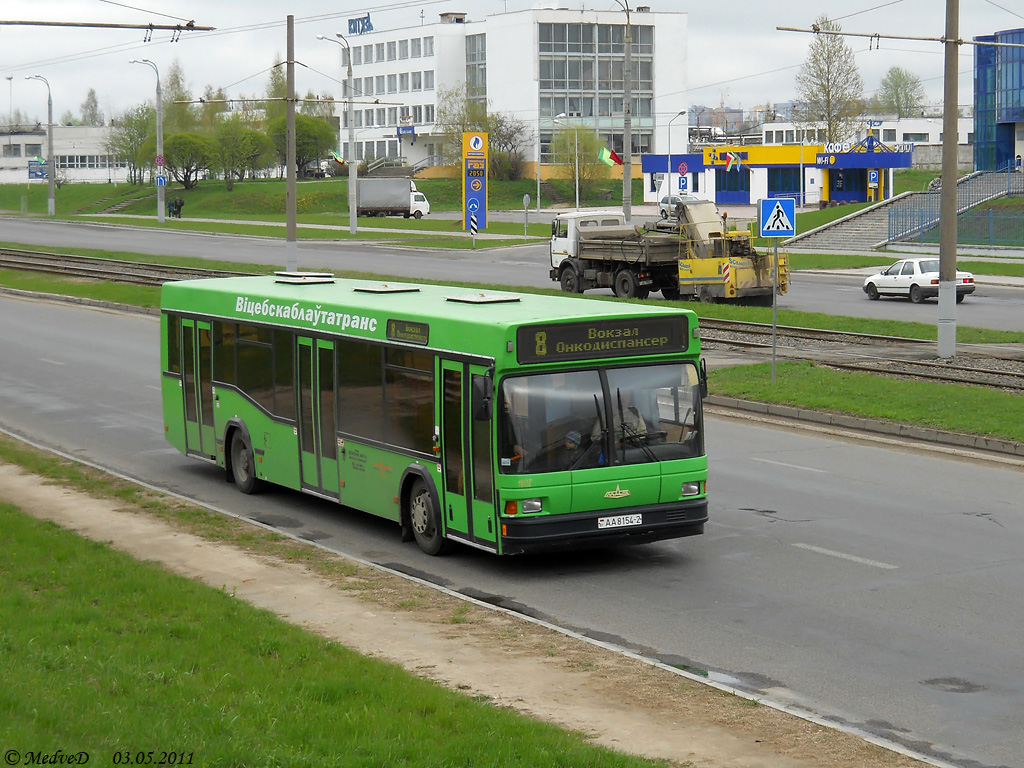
572	146
458	114
829	85
901	93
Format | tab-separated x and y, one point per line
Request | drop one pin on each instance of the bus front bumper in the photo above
580	530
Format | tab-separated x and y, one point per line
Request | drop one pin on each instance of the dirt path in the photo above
616	701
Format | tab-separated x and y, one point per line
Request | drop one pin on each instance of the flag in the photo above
608	157
732	160
38	159
337	158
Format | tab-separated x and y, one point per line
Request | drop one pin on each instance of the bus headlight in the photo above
531	505
690	489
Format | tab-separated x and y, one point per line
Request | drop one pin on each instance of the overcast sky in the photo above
736	55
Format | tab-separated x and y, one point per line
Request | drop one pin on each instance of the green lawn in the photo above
102	654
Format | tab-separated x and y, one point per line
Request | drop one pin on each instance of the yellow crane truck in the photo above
689	255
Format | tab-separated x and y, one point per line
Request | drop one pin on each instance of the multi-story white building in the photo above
533	64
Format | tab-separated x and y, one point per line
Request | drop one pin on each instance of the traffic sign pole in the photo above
778	219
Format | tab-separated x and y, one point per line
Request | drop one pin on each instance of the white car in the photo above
667	205
916	279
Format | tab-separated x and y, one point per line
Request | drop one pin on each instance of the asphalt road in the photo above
992	306
868	583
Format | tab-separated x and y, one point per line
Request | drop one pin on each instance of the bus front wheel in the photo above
425	520
243	468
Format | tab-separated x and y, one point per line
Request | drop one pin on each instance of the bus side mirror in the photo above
482	399
703	378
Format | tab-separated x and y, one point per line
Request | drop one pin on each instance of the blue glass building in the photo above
998	101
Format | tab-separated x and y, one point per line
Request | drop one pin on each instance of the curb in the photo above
875	426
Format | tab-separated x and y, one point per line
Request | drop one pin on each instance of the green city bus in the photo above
508	422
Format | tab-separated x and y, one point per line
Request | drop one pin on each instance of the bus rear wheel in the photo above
243	468
425	521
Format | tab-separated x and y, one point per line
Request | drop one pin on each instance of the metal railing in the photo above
912	217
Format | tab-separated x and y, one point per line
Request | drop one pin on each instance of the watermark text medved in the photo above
38	757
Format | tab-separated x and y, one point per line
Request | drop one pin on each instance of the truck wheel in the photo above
418	214
672	294
626	285
569	279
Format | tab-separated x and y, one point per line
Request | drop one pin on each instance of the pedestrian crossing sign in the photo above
778	217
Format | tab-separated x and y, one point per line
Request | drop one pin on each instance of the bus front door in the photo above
197	389
466	458
318	430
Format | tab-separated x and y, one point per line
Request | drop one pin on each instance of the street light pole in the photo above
353	226
671	189
627	117
576	134
161	179
51	207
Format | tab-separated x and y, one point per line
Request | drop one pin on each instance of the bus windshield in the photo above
553	422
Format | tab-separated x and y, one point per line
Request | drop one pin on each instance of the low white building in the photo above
80	152
924	133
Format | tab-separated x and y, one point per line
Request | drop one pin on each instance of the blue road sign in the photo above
777	217
161	181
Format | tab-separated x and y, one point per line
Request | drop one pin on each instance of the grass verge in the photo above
106	655
951	407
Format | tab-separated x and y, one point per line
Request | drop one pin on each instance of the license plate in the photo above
619	521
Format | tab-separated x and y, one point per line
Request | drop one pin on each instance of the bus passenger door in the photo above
197	386
318	431
466	459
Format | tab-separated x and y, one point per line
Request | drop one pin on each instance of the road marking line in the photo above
852	558
791	466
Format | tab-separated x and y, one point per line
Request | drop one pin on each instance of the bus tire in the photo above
243	467
425	520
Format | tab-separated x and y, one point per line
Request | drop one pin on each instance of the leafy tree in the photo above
91	112
68	118
188	155
314	138
130	130
321	106
179	115
212	107
277	91
901	93
571	145
829	85
241	150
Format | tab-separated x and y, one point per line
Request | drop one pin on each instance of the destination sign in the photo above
408	331
602	338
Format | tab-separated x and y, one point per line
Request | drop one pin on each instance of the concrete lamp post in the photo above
576	153
350	118
51	171
671	189
161	208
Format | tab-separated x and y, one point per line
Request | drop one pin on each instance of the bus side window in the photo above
174	344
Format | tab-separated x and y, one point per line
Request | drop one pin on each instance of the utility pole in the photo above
291	240
627	117
947	198
161	179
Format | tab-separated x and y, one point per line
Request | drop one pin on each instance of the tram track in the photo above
999	368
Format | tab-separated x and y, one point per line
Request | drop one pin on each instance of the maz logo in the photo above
618	493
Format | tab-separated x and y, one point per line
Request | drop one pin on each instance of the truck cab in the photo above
565	232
